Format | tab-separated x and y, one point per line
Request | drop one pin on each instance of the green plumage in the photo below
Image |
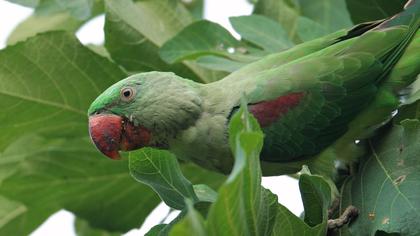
349	81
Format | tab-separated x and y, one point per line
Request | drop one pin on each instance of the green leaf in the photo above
200	38
331	14
262	32
62	20
164	229
243	207
10	211
288	224
160	170
316	196
35	24
369	10
26	3
196	7
205	193
69	173
309	29
219	63
47	84
79	9
199	176
191	224
84	229
386	188
285	12
156	230
135	32
410	109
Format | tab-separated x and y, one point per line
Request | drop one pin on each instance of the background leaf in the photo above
219	63
331	14
26	3
201	37
135	32
369	10
288	224
309	29
84	229
71	174
262	31
35	24
191	224
196	7
52	15
410	109
386	188
47	96
79	9
285	12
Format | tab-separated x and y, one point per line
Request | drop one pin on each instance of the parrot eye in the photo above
127	94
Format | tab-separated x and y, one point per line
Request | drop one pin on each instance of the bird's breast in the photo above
205	143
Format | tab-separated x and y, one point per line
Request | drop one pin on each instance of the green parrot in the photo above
326	92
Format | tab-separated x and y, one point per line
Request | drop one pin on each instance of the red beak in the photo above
111	133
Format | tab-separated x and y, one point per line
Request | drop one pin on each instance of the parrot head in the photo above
138	111
112	126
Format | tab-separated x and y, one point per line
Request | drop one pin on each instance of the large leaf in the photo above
35	24
243	207
79	9
328	15
285	12
70	173
316	196
84	229
369	10
47	84
262	32
309	29
200	38
196	7
134	33
62	20
331	14
410	109
386	190
9	211
219	63
191	224
26	3
160	170
164	229
287	224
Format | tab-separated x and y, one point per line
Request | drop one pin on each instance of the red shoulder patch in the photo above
270	111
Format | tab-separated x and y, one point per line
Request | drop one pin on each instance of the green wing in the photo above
337	82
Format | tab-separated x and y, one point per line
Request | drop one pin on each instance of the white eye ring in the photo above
127	94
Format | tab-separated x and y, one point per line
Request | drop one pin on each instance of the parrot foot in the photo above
350	213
